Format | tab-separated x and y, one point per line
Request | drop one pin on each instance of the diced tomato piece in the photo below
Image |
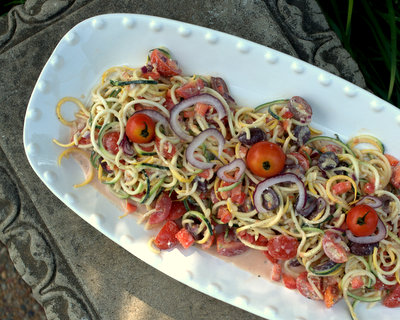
288	115
208	244
357	282
285	124
341	187
213	197
154	74
303	161
334	247
283	247
110	142
224	194
395	179
229	246
164	65
276	272
188	114
224	214
269	257
392	300
185	238
305	150
163	208
237	195
190	89
392	160
289	281
261	241
177	210
206	174
169	149
169	103
243	152
369	188
331	295
379	285
165	239
130	207
331	147
201	108
305	287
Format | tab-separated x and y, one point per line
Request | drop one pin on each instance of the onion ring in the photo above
286	177
197	141
200	98
369	239
238	163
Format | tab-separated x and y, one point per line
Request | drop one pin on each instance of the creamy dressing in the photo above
253	261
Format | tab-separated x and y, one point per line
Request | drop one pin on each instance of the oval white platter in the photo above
254	74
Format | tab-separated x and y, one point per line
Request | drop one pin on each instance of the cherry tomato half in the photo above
140	128
164	65
362	220
110	142
265	159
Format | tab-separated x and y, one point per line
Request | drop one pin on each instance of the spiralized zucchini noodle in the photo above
241	178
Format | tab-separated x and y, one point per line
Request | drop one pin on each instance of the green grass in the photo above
370	32
368	29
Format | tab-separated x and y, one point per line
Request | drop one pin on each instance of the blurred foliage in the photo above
370	32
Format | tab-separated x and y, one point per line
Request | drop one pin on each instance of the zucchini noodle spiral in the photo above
329	175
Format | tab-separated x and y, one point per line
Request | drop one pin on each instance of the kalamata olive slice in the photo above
302	133
309	207
362	249
201	184
301	109
328	160
339	171
256	135
270	199
219	85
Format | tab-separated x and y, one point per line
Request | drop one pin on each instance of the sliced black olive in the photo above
309	207
341	172
219	85
201	184
270	199
301	109
362	249
256	135
302	133
328	160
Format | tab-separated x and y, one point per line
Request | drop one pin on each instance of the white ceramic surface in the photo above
254	74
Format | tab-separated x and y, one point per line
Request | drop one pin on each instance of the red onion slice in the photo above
126	146
201	98
286	177
369	239
238	163
373	202
156	116
198	141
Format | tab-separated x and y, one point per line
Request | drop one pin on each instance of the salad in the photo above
180	152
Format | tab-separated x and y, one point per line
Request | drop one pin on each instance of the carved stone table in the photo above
76	272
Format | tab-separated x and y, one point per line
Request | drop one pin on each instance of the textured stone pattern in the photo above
74	271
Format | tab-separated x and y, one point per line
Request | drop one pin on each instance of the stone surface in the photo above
75	272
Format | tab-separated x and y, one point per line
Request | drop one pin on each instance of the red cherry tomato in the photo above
331	295
229	246
164	65
369	188
362	220
334	247
165	239
177	210
305	287
163	209
110	142
140	128
283	247
303	162
265	159
392	300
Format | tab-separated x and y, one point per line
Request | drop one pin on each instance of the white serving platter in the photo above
254	74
